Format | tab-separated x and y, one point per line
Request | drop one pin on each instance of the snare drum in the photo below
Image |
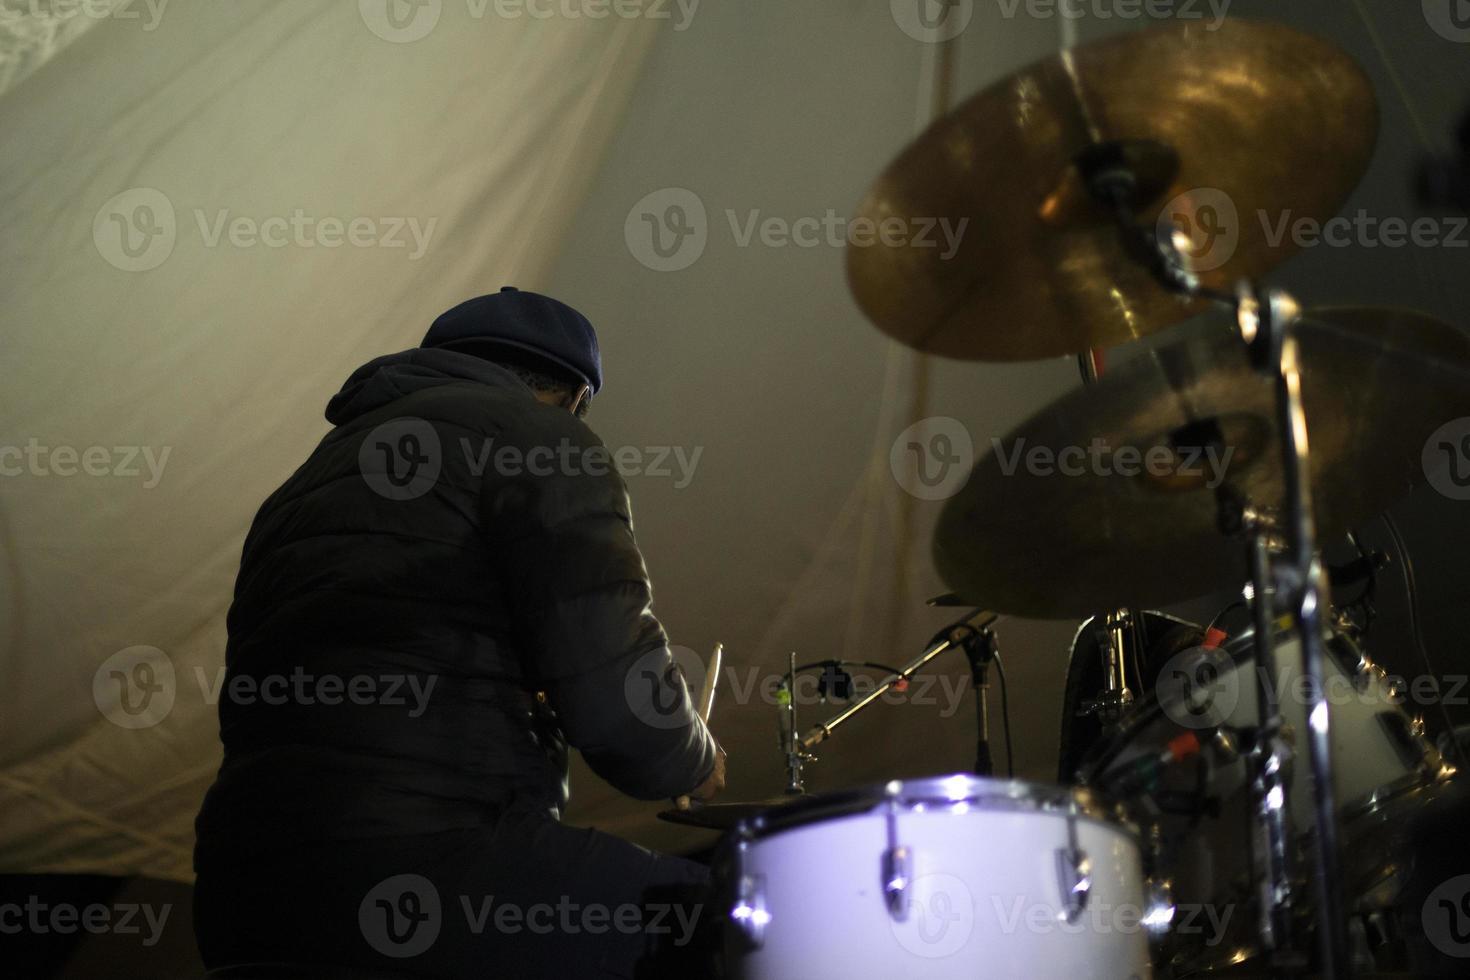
937	878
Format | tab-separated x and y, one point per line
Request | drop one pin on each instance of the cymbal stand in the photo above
1116	629
1269	755
1266	322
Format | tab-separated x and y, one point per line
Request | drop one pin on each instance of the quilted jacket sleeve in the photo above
557	514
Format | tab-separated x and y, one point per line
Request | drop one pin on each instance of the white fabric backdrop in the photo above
483	132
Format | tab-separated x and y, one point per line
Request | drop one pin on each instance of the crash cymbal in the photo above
724	816
1097	502
1254	121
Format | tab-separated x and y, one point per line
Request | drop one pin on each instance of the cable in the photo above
1364	600
1005	714
1229	608
1411	586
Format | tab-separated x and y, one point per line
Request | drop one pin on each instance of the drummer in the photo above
515	600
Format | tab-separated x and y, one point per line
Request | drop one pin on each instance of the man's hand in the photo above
716	781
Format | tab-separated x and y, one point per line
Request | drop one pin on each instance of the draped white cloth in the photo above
209	221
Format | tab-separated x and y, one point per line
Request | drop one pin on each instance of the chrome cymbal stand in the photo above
1299	587
1297	582
1117	628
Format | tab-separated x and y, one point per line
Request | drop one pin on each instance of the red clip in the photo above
1183	746
1214	637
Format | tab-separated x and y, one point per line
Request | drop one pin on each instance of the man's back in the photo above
402	600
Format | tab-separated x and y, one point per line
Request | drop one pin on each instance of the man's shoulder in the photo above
511	413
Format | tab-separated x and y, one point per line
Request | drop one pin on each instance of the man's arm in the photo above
580	593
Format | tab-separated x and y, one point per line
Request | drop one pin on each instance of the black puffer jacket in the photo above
441	598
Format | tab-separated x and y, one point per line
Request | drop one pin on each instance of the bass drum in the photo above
1202	811
932	879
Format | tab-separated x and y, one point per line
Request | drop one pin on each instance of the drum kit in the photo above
1220	812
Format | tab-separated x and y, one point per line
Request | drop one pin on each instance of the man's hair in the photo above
539	374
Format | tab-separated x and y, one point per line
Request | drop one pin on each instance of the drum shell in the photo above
985	895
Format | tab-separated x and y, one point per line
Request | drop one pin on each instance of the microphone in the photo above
957	632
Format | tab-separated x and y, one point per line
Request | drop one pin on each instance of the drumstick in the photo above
711	680
706	702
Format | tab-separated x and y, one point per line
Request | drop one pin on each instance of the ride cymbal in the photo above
1108	497
1235	129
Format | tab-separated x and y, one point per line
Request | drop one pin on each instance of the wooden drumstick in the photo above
706	702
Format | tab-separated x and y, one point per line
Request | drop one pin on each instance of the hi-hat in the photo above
1236	129
1107	498
724	816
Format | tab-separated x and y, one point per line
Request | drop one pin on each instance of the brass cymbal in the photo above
724	816
1049	527
1252	118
